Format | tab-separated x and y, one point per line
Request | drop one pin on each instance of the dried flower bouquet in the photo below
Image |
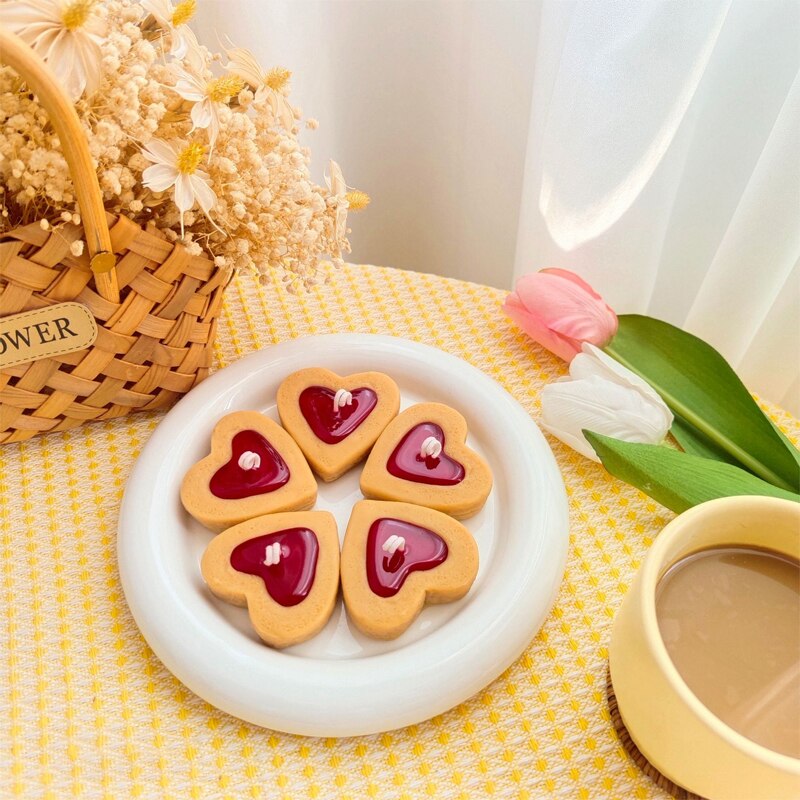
204	145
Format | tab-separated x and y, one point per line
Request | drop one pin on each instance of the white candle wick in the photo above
273	554
430	447
393	544
249	460
342	398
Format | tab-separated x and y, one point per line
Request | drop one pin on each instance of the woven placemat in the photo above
87	710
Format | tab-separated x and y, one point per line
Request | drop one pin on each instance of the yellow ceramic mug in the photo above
677	734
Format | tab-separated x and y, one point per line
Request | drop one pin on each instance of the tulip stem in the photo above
693	418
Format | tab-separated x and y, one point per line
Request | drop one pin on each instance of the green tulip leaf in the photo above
694	442
785	439
717	414
675	479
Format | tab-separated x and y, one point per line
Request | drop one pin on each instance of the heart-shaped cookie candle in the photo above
254	468
283	567
336	419
422	458
397	557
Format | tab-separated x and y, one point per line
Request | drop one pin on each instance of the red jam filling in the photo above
407	461
231	482
290	580
329	424
386	573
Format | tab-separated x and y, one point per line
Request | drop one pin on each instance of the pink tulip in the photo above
560	311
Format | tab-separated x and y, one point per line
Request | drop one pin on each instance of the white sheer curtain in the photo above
424	103
654	147
664	166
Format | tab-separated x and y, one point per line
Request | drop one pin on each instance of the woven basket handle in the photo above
42	82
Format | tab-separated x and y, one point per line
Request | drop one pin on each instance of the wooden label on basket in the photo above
45	332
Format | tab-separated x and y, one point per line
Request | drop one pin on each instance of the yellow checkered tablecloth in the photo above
86	709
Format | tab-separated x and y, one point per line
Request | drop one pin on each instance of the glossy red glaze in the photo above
231	482
316	405
406	461
290	580
423	550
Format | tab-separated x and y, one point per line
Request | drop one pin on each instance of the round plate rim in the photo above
359	696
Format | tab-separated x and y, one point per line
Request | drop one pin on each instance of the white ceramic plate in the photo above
341	683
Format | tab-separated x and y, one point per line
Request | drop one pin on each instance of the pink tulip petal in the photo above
604	316
587	325
512	301
559	345
571	276
560	311
564	306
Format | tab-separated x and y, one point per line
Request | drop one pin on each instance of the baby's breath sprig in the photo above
209	156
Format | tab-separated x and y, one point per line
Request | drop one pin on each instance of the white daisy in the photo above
176	164
65	33
208	96
174	19
269	85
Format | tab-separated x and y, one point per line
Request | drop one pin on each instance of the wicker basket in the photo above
155	304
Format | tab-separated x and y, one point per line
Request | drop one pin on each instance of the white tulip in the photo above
602	396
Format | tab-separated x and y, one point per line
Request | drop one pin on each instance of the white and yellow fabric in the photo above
86	709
